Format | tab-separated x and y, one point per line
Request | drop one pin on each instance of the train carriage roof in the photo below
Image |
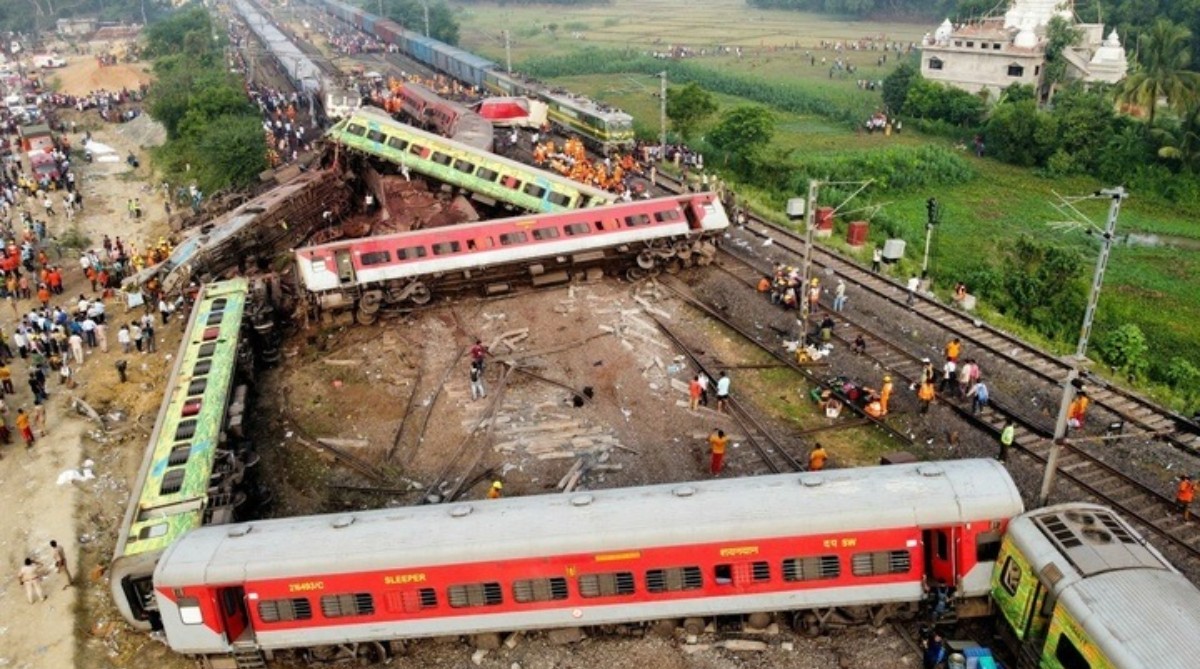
922	494
1133	605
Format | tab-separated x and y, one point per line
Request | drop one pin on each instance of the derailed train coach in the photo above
815	546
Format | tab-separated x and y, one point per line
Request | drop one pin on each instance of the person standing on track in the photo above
717	443
478	392
839	296
723	384
1184	496
913	284
1077	411
979	396
1007	435
925	394
953	349
885	395
694	391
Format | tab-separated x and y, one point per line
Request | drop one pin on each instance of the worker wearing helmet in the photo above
494	491
885	394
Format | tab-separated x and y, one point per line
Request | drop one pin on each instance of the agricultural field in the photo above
1153	276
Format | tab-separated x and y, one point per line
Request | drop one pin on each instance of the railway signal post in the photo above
1108	235
798	208
934	212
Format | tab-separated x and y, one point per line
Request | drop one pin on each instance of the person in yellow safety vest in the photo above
1007	436
885	394
925	394
494	491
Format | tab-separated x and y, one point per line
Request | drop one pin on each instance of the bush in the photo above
893	168
1125	349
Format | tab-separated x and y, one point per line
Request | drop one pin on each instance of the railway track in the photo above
1152	510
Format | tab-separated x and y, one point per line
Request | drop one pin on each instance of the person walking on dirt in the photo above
717	443
31	580
25	429
477	390
60	562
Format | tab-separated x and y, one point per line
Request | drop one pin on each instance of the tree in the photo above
1039	283
688	106
411	15
1125	349
1020	134
742	132
896	85
1179	142
186	29
1163	59
1060	34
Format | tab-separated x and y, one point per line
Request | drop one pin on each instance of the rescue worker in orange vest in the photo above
717	441
764	284
817	458
885	394
494	491
925	394
1078	410
1184	496
873	408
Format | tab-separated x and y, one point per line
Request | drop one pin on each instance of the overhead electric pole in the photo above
507	53
662	116
1108	236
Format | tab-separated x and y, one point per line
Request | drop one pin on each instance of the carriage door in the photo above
233	614
345	268
941	563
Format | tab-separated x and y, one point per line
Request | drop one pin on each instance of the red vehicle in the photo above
540	250
825	546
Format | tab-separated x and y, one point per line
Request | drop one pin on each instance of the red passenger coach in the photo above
538	250
857	540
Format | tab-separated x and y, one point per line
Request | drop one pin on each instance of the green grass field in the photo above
1153	286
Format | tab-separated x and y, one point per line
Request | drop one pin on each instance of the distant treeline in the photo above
915	8
535	2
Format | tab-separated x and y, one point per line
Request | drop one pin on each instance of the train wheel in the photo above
673	267
370	301
645	259
372	651
420	293
365	318
705	253
683	249
635	274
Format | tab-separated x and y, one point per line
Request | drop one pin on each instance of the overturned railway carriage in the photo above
188	478
1078	588
856	541
484	176
601	127
445	117
637	237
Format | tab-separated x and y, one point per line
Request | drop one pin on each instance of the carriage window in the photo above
375	258
475	594
511	182
673	580
410	601
510	238
172	481
416	150
558	199
577	229
811	568
545	233
340	606
754	572
411	252
356	129
397	143
189	611
486	174
375	136
480	244
1069	656
283	610
540	590
444	248
880	562
463	166
179	455
606	585
638	219
534	190
441	158
987	546
1010	578
153	531
669	215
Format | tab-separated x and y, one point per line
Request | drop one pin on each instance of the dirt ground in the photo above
82	76
80	516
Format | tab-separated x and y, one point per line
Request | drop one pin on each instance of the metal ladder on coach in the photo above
248	657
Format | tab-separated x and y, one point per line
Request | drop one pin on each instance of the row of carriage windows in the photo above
372	258
176	472
465	166
609	584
